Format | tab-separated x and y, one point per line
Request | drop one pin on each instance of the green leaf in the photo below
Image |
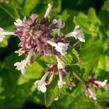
64	16
91	20
14	95
72	57
4	43
10	10
29	6
106	5
51	95
103	63
68	59
81	102
3	19
34	71
48	59
76	54
93	17
22	80
1	87
20	1
90	54
63	102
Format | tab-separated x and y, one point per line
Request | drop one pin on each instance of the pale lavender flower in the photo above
20	52
61	81
61	71
33	34
96	83
21	66
48	76
77	34
59	47
18	23
90	93
61	64
100	84
41	84
93	83
59	25
3	33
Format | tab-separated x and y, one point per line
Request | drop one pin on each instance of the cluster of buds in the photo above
93	83
35	37
58	69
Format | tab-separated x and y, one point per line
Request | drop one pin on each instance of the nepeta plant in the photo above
36	37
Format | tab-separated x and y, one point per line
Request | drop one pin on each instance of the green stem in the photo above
78	77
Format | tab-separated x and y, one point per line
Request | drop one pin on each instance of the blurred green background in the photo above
19	92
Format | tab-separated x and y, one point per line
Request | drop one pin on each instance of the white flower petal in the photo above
61	84
50	79
18	22
48	10
59	25
21	66
41	86
60	47
61	81
100	83
91	94
77	34
61	64
3	33
1	38
51	43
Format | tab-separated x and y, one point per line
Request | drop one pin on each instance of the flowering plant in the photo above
53	61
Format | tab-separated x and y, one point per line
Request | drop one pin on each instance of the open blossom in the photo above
47	78
59	47
18	23
100	84
33	33
61	72
61	81
3	33
61	64
21	66
90	93
59	25
96	83
93	83
77	34
36	37
41	84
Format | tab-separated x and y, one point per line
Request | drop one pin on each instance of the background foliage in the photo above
17	91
